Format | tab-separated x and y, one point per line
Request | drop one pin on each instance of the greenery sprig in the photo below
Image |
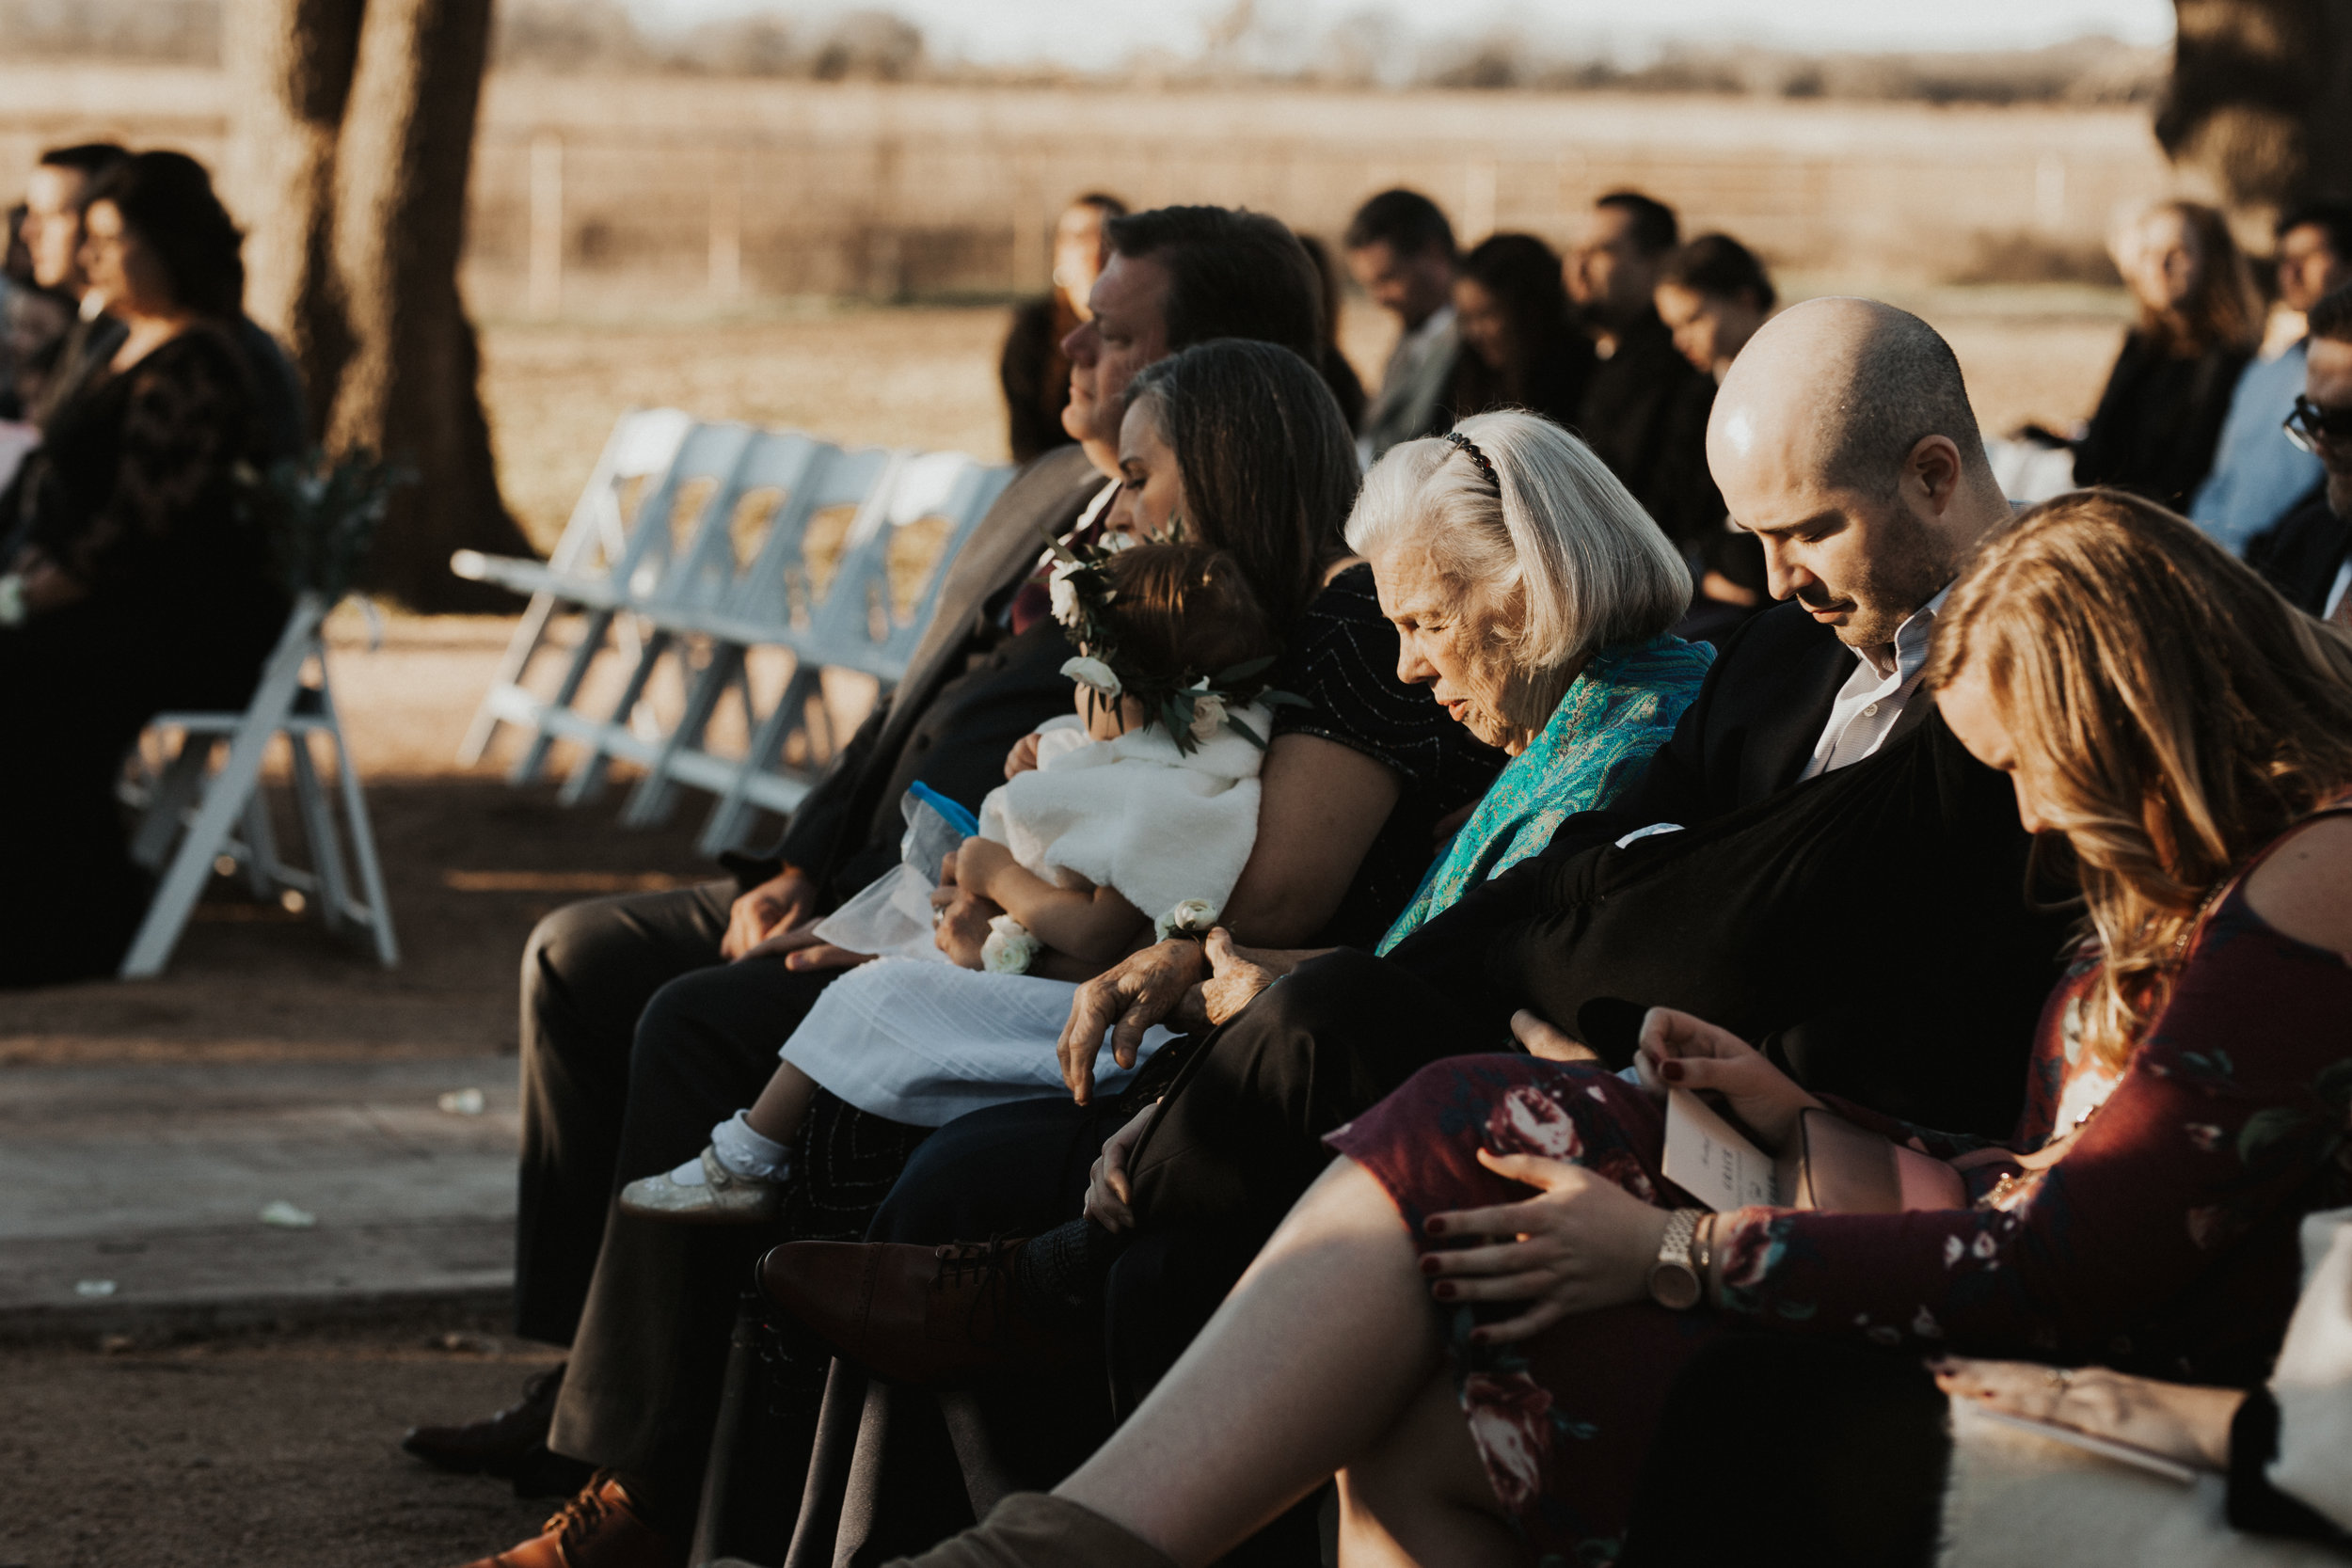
319	516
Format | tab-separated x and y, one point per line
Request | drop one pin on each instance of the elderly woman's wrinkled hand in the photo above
1237	975
1141	991
1680	1052
1584	1243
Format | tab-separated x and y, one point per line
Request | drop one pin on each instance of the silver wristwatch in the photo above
1673	1280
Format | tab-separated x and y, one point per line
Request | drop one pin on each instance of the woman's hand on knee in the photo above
1585	1243
1680	1052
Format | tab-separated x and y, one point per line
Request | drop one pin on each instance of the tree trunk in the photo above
2261	100
290	68
410	389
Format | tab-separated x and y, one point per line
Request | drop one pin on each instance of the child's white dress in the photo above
924	1042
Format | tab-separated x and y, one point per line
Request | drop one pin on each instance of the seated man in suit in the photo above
1834	854
645	1016
2308	556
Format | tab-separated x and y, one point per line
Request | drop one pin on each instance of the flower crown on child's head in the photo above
1190	705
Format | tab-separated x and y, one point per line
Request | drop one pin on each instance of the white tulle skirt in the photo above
924	1042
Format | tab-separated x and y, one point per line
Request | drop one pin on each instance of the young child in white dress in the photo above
1131	817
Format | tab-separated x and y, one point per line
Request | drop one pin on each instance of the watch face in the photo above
1675	1286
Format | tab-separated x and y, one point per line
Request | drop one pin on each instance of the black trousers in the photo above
636	1039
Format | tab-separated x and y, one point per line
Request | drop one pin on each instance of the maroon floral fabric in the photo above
2162	1240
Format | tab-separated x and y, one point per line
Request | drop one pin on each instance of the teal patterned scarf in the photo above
1621	708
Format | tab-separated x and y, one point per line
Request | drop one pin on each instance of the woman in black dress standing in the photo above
132	581
1518	331
2200	320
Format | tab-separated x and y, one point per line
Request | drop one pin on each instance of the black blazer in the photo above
1870	926
2303	551
971	690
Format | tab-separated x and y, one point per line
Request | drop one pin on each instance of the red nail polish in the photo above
1429	1265
1434	1225
1443	1290
1671	1072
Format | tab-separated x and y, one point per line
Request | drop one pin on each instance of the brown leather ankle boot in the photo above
1036	1529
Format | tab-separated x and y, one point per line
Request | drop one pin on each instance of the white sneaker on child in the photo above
704	1191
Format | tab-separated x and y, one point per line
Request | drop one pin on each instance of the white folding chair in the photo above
772	602
199	809
644	442
859	625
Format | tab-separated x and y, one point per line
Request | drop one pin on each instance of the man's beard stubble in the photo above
1913	567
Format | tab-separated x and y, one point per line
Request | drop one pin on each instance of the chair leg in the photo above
520	649
733	813
588	774
318	826
173	794
183	883
594	629
649	804
379	909
264	873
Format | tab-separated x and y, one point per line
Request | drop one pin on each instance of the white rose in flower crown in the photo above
1194	914
1093	672
1063	595
1010	949
1208	714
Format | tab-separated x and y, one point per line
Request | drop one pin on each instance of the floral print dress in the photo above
2161	1238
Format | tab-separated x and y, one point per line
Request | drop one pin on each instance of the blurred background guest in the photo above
53	195
1401	249
1644	410
1338	373
2308	556
1033	370
134	581
2259	476
33	322
2199	319
1520	346
1713	293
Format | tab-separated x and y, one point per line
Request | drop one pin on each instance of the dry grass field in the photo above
925	375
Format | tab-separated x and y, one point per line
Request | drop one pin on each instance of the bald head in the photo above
1843	438
1847	388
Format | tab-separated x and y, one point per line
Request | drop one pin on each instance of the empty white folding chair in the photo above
860	625
774	600
658	544
644	442
193	810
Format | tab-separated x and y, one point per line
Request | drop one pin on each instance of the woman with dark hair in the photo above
134	580
1033	370
1524	350
2160	417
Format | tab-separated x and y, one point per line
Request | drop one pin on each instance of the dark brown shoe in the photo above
499	1445
913	1314
598	1528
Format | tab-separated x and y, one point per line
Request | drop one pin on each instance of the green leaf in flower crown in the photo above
1243	670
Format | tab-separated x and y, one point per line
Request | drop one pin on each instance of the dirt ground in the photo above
280	1451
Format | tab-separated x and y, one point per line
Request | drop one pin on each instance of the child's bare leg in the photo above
783	1105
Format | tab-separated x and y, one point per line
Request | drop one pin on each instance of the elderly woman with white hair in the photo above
1531	596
